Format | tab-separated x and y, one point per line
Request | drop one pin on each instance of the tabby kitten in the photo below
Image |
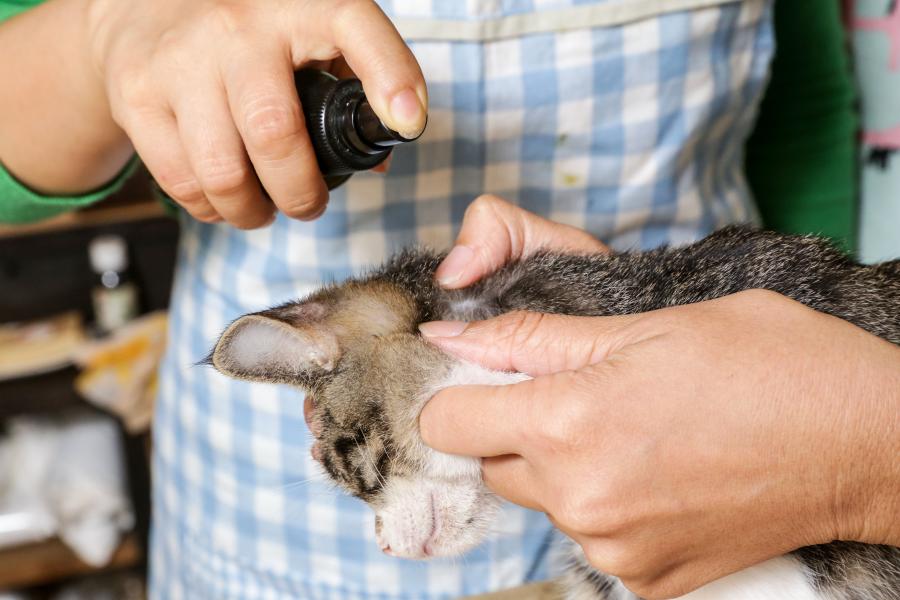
355	349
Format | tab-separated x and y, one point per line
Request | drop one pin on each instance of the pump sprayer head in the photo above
346	134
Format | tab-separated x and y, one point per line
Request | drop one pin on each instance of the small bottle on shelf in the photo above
114	295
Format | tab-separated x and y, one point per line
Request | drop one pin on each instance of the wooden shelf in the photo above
45	393
50	561
102	214
134	202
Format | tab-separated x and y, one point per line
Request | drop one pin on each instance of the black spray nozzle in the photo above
371	130
346	134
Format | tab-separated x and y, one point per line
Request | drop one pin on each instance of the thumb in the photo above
532	343
495	232
390	74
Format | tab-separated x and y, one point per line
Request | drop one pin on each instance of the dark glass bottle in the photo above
346	134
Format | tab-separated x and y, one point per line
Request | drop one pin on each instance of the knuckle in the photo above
618	560
345	11
578	513
173	49
135	86
223	177
562	432
483	206
269	122
304	204
184	189
227	16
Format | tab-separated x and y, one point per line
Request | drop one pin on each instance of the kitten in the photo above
354	348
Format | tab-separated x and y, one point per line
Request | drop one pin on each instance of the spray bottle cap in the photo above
346	134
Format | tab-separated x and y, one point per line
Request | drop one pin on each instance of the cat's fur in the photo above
355	349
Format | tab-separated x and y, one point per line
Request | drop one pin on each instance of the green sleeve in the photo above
9	8
801	159
18	204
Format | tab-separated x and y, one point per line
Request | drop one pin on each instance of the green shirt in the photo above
801	159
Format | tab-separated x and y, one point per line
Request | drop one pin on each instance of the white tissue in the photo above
67	478
86	488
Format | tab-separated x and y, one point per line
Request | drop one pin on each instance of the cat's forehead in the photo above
368	308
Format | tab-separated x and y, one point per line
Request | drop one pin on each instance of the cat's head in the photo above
356	352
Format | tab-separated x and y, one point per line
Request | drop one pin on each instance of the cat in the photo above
355	349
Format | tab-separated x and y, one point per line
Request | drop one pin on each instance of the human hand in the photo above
684	444
495	232
205	91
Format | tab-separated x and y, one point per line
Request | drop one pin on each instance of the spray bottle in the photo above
346	134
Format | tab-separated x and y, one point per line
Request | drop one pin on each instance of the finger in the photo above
264	105
156	140
512	477
384	166
480	420
576	536
216	153
533	343
495	232
340	69
390	75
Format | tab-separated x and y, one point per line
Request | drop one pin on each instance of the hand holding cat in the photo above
684	444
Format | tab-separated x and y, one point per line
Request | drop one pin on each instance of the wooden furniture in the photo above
38	564
44	270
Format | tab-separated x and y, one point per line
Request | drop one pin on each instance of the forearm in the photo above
58	135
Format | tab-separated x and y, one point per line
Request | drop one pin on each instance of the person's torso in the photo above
626	123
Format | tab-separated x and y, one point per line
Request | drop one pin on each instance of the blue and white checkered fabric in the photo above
633	131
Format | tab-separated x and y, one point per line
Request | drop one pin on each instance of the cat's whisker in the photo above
370	459
319	478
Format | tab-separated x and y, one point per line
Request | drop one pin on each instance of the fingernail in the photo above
442	328
408	113
453	267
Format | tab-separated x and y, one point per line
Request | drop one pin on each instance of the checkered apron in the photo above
623	117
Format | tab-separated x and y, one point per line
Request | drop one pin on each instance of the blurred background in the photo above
82	329
82	325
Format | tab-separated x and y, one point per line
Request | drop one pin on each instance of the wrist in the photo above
867	489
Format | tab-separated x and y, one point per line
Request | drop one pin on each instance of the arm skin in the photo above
202	89
680	445
53	103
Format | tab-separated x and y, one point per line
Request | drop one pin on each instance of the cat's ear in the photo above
260	348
